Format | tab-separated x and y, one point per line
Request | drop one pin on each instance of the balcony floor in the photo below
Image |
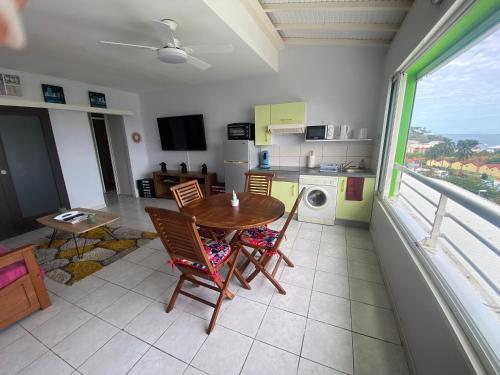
335	318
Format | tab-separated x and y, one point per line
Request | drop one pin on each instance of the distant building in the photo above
493	149
417	147
492	170
471	166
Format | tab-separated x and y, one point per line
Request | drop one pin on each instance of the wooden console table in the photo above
165	180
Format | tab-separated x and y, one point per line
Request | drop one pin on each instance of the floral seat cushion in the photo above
217	252
207	232
261	237
12	272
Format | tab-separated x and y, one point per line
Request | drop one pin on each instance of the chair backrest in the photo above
186	193
179	235
288	219
258	183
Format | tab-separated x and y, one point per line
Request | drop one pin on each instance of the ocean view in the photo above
485	140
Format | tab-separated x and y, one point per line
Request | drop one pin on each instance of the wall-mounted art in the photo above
97	99
10	85
53	94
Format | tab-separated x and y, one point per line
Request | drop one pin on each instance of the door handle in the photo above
3	171
293	190
342	186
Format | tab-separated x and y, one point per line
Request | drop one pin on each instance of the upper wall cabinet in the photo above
288	113
276	114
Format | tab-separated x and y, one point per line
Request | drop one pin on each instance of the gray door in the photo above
30	182
234	176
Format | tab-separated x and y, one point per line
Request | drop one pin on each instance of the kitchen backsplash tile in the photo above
296	155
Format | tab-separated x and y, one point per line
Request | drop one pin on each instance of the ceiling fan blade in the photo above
164	33
204	49
200	64
129	45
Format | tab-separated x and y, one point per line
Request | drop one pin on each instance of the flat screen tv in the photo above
182	133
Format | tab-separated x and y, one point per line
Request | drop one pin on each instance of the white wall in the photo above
338	84
73	136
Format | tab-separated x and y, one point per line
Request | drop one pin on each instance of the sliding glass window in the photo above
442	181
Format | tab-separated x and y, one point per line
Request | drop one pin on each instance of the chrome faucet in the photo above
343	166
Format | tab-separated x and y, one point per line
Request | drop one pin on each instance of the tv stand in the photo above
163	181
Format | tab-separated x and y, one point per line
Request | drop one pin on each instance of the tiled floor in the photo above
335	318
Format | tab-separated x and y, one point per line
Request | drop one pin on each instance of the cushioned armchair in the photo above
22	289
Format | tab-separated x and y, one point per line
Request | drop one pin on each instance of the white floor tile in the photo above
374	321
155	362
155	284
312	226
151	323
10	334
370	293
124	273
223	353
339	229
48	364
333	250
202	310
262	290
307	367
282	329
193	371
39	317
57	328
362	256
243	316
155	260
296	299
331	283
299	276
332	265
363	271
306	246
77	347
20	354
300	258
125	309
82	288
139	254
334	238
360	241
328	345
375	357
184	337
266	359
308	234
116	357
330	309
101	298
182	302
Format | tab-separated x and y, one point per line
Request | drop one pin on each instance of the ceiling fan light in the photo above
172	55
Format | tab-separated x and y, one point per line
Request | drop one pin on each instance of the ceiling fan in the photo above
172	51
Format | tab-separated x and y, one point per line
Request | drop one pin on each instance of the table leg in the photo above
52	237
108	231
76	246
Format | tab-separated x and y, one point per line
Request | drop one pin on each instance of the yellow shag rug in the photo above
97	249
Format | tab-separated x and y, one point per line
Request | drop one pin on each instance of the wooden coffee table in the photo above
102	219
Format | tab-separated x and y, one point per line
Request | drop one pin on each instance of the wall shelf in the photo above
66	107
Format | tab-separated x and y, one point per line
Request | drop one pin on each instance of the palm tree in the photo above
464	150
448	147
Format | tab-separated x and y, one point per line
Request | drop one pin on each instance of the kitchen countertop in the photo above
293	173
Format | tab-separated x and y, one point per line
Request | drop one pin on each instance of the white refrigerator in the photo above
239	157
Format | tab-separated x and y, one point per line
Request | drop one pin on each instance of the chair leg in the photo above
285	258
259	268
175	294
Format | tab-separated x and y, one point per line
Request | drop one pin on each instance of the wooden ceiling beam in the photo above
343	26
379	5
338	41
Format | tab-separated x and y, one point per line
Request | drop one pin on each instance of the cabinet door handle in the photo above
342	186
293	189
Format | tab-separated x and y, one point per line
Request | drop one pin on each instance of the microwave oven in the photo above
241	131
320	132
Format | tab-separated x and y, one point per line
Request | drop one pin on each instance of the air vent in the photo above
286	129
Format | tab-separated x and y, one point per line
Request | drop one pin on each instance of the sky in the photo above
463	96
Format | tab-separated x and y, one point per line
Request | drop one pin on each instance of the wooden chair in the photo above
189	192
194	256
22	290
258	183
266	242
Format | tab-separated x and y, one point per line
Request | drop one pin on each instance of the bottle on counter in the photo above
311	160
361	164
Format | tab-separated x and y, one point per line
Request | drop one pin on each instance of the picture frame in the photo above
53	94
97	99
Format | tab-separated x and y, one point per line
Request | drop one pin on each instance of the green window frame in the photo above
481	16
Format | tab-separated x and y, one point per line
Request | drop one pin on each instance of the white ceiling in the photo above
63	41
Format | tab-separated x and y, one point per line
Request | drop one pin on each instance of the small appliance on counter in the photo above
241	131
184	167
163	166
320	132
264	160
311	160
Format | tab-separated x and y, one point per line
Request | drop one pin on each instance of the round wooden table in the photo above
254	210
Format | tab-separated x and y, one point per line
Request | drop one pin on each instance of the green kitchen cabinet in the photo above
262	121
288	113
285	191
355	210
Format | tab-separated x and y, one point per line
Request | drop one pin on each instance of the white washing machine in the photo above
319	200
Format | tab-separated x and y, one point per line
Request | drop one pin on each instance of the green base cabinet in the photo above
355	210
262	121
287	192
